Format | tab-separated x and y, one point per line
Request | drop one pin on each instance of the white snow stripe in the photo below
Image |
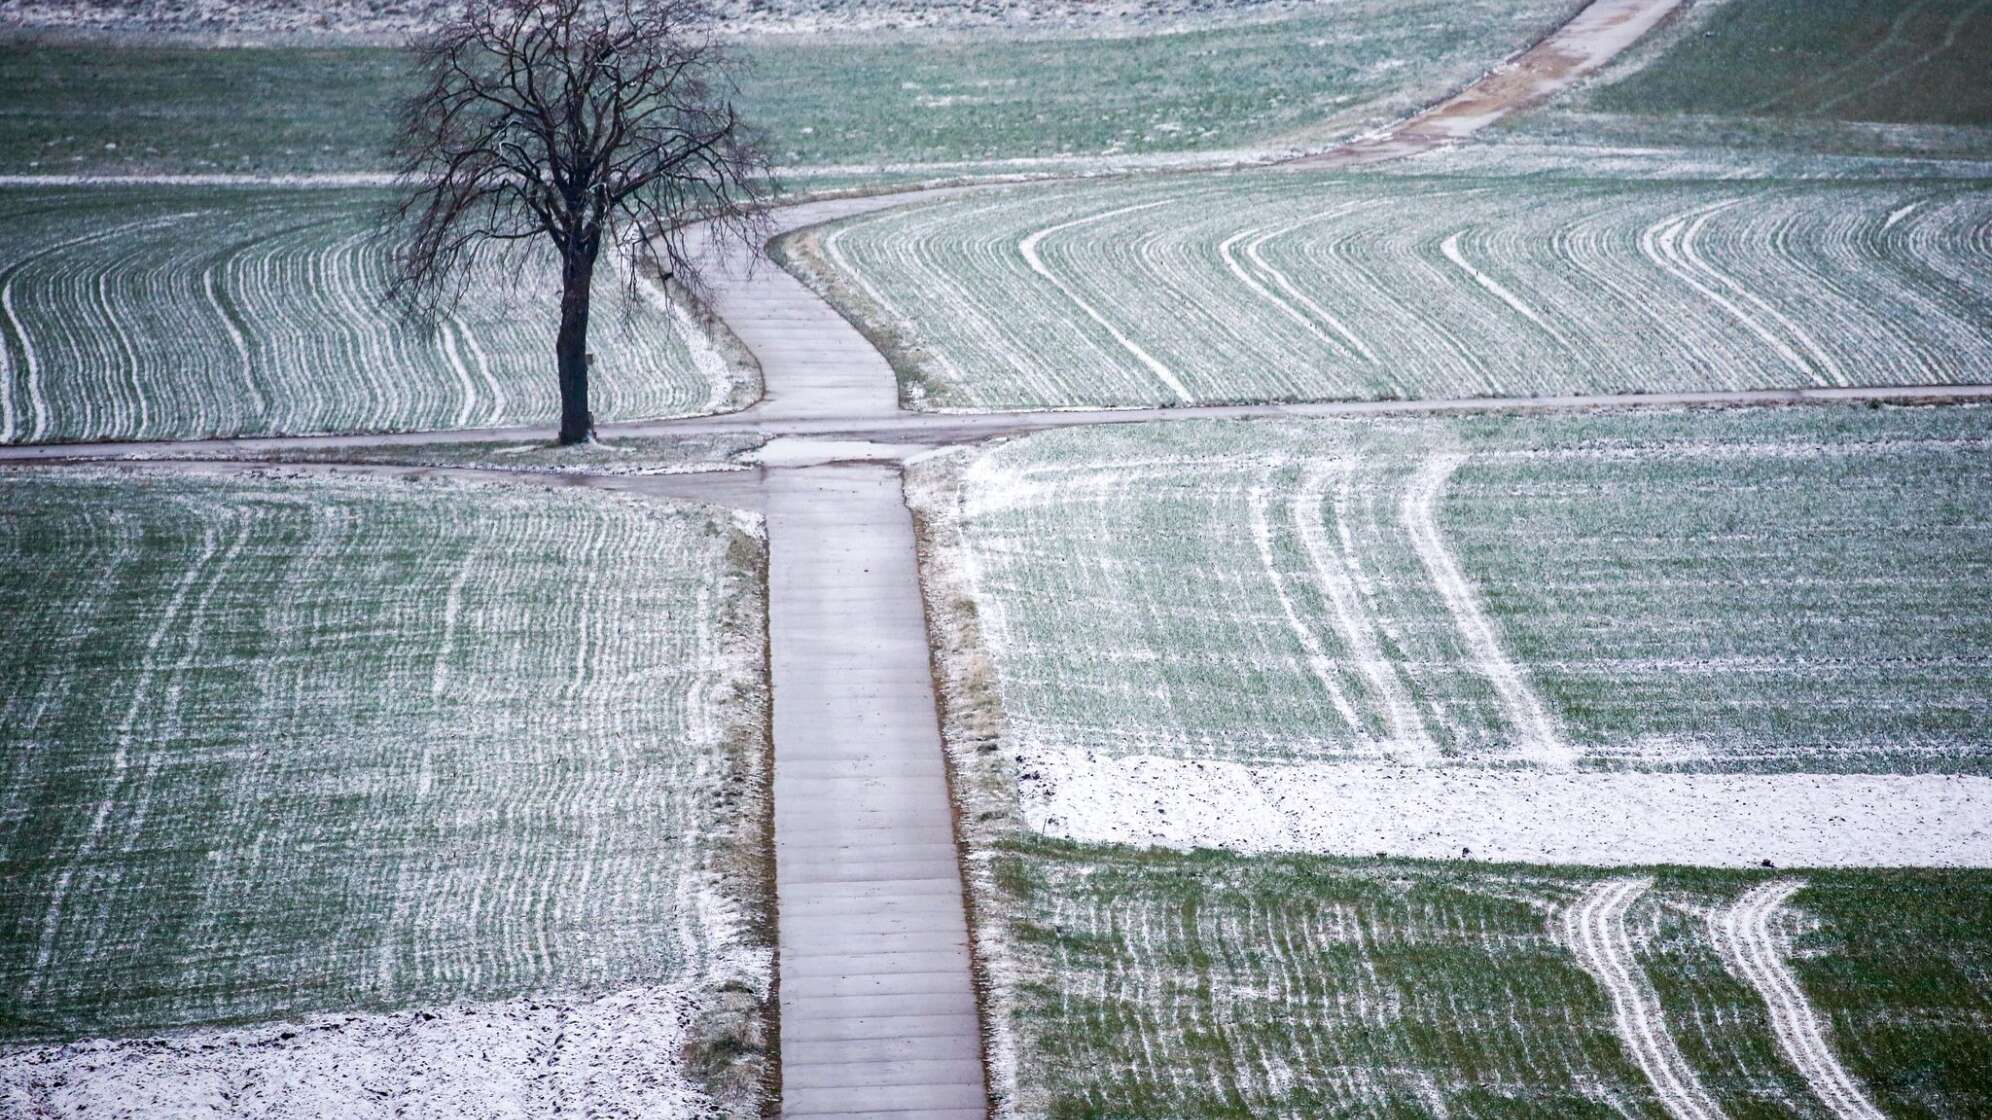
127	730
1318	662
1279	278
1541	740
1342	339
1406	731
1028	248
1743	932
1594	929
446	333
1450	247
235	339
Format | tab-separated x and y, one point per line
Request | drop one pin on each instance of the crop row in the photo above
163	313
1146	983
276	750
1310	287
1787	593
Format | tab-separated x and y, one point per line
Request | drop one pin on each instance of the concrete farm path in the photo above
878	1014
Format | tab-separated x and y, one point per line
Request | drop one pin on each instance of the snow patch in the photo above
1595	930
619	1055
1602	819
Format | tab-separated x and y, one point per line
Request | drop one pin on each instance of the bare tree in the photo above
591	123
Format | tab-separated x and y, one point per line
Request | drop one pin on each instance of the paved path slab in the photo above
878	1012
813	363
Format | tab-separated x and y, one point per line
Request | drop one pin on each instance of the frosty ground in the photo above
240	793
1401	767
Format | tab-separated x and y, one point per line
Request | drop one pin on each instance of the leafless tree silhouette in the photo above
595	124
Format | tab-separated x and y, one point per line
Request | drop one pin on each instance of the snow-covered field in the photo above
1282	286
174	312
462	784
1531	647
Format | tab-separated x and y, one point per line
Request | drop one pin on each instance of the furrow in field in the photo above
1659	592
1318	661
1450	247
250	383
1670	243
1744	933
372	856
1321	288
126	741
1594	928
1405	733
1280	279
124	320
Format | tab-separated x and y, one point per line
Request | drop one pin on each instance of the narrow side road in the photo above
878	1012
813	363
1593	37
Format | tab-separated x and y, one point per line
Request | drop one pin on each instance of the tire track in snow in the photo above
1594	929
235	336
1748	944
1318	661
1343	339
448	331
1450	247
1670	243
1028	248
1286	285
1542	740
1405	730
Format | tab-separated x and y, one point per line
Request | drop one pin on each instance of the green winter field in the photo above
1281	286
844	105
187	313
275	749
1720	591
1155	983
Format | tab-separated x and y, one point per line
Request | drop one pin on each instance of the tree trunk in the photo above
577	424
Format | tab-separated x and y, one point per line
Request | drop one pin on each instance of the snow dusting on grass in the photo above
464	782
168	312
1208	983
1208	685
1277	286
1771	591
